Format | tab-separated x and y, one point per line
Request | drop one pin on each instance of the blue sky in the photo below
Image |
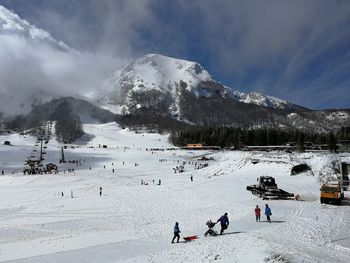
294	50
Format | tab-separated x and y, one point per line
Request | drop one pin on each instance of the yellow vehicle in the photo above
332	193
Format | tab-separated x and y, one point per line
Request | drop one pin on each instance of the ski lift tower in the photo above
62	156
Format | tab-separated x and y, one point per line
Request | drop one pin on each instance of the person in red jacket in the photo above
257	213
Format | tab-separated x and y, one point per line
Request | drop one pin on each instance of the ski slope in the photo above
131	222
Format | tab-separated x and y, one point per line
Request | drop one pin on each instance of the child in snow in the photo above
224	223
268	213
257	213
176	232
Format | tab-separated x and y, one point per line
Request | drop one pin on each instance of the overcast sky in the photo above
295	50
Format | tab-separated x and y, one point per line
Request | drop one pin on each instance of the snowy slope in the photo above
131	222
262	100
155	71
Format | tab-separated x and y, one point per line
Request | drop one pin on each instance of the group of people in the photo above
154	182
224	222
268	213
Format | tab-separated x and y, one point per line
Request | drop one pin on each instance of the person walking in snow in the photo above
100	190
257	213
224	223
268	213
176	232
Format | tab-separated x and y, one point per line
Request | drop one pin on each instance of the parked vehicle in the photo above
267	189
332	193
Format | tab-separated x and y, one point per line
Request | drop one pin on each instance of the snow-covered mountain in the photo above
170	78
29	58
36	67
156	85
155	79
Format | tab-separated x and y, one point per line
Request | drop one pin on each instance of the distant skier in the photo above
268	213
224	223
100	190
71	194
191	178
257	213
176	232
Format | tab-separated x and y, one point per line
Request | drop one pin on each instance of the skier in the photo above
191	178
176	232
224	223
100	190
257	213
268	213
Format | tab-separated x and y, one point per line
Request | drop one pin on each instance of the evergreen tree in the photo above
301	142
332	142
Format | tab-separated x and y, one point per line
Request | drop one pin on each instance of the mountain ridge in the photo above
161	74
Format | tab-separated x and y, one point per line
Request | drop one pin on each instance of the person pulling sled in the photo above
176	233
211	231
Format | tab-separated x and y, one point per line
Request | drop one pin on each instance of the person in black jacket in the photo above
224	223
176	232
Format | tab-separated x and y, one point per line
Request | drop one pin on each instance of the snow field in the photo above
131	222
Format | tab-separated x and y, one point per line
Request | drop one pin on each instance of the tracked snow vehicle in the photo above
267	189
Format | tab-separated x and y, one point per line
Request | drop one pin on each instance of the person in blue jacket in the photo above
268	213
224	223
176	232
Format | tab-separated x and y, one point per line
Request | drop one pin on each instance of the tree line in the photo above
233	137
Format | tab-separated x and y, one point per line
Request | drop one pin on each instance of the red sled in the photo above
190	238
